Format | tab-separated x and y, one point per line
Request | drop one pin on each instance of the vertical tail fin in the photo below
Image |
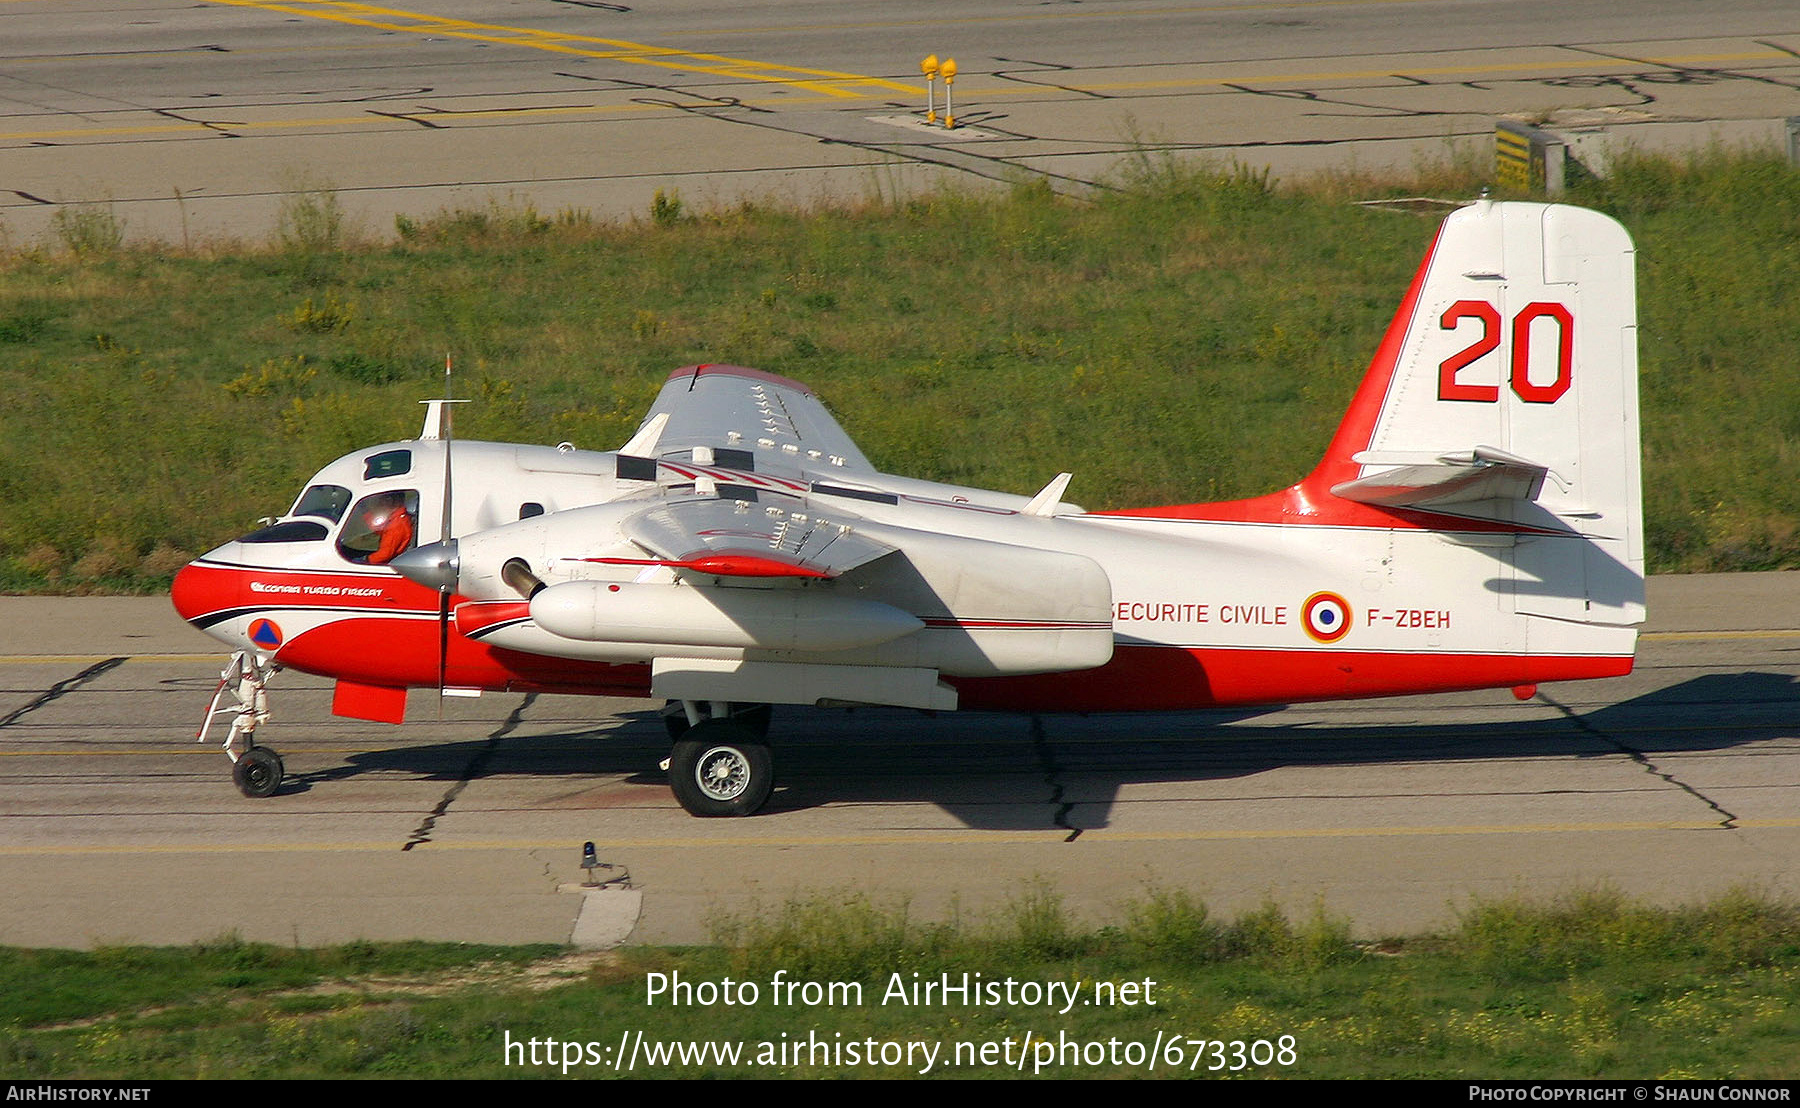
1505	392
1502	399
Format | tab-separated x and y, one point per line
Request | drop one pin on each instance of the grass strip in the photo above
1587	985
1194	335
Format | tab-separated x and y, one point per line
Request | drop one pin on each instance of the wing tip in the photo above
708	369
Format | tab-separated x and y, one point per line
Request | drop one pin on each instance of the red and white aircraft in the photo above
1475	523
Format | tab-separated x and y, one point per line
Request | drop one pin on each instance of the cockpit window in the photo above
380	527
323	501
389	463
294	530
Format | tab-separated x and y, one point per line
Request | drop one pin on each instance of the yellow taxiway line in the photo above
825	81
827	85
388	119
1703	636
922	838
830	87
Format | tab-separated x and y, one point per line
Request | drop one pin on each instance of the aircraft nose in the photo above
434	565
184	595
199	591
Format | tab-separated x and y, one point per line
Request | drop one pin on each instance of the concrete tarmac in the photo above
228	120
188	123
115	827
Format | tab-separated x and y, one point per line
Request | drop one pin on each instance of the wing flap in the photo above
736	538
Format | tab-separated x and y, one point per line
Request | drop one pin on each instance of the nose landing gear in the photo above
256	770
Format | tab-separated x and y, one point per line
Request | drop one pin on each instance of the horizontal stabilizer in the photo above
1483	473
643	443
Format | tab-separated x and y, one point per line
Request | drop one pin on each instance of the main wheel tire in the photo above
258	772
721	769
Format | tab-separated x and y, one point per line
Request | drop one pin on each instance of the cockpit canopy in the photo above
367	507
382	525
324	501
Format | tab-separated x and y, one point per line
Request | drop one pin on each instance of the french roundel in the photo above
1326	616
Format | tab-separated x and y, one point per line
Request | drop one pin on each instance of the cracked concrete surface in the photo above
114	826
422	833
186	141
1726	819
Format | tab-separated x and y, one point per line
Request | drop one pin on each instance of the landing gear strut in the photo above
680	715
256	770
720	765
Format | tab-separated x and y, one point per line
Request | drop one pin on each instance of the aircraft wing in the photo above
739	538
745	419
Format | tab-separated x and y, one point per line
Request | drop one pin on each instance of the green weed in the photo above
275	377
311	218
24	327
1519	938
331	316
1036	926
829	936
665	208
88	230
508	220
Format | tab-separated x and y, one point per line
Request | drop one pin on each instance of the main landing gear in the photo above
720	765
256	770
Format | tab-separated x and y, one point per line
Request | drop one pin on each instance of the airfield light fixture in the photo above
590	861
949	69
929	67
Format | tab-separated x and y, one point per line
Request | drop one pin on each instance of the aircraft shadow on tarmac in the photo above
1062	772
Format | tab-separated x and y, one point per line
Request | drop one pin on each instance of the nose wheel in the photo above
258	772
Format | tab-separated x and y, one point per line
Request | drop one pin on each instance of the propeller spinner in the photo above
434	565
